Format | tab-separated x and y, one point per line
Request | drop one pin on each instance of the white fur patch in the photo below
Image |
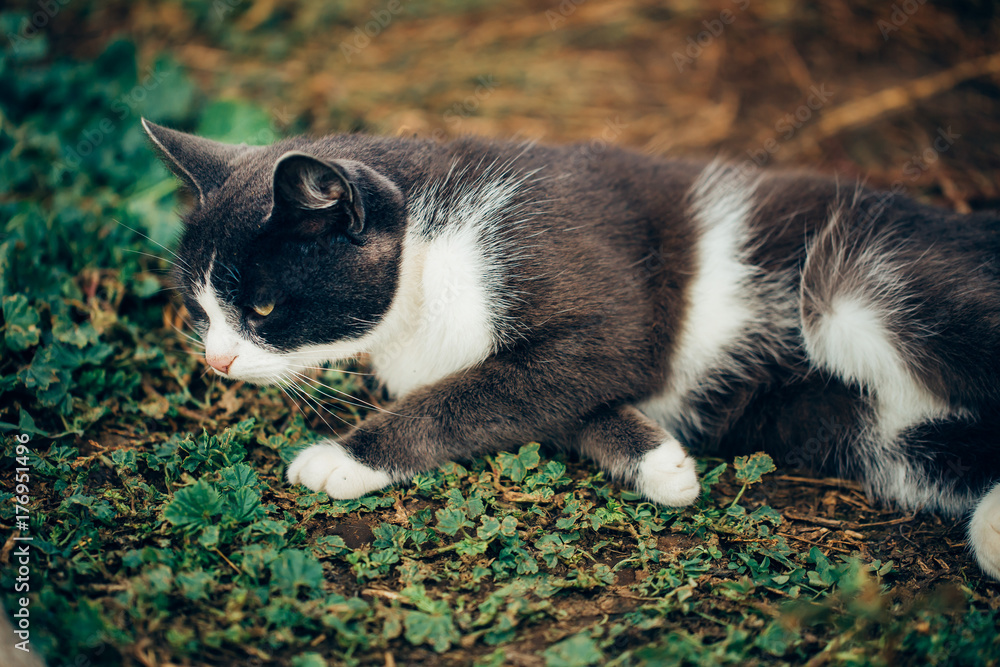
851	337
250	362
666	475
727	299
851	341
328	467
442	319
984	533
439	321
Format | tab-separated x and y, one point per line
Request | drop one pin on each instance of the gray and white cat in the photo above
627	306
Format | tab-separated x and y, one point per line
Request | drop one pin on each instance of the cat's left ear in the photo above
203	164
306	184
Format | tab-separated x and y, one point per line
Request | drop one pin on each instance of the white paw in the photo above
667	476
984	533
328	467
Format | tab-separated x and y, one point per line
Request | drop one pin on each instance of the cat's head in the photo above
290	255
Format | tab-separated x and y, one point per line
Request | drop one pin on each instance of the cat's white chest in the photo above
442	319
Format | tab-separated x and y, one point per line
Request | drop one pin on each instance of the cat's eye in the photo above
263	309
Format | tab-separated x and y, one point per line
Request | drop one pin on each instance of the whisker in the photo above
188	338
319	404
157	243
282	385
314	404
335	370
293	395
307	353
319	386
160	258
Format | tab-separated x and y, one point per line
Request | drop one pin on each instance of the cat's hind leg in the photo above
906	312
984	532
634	449
952	467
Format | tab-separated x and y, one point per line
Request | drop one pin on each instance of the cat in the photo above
623	305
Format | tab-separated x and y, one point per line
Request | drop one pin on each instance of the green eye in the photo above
264	310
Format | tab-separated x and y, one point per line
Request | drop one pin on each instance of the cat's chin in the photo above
260	382
258	379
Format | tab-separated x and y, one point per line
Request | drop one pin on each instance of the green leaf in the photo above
553	546
438	630
209	537
243	505
517	466
78	335
238	476
236	121
294	569
125	459
309	659
20	323
194	584
508	526
489	528
194	506
712	477
450	521
577	651
331	545
255	559
749	469
766	513
775	639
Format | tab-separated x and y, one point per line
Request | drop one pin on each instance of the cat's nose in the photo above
220	362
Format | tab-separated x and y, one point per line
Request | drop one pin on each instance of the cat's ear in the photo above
303	184
203	164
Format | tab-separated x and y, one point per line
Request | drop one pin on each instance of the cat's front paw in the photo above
329	467
667	475
984	533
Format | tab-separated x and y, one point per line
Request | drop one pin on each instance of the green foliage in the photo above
749	469
516	466
194	507
577	651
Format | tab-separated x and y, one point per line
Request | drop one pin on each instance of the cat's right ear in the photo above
203	164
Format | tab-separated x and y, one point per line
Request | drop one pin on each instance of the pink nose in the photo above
220	362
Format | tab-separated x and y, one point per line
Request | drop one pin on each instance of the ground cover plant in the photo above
163	532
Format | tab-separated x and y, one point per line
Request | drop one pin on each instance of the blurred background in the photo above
858	87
